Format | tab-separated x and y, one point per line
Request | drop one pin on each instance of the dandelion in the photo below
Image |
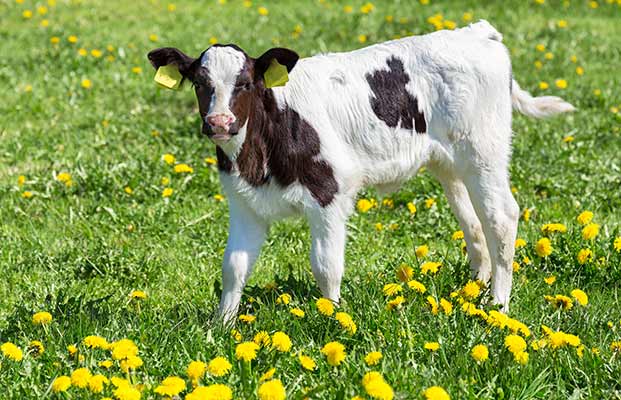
272	390
168	158
548	56
367	8
422	251
447	306
42	318
95	342
54	40
82	52
171	386
550	280
306	362
96	383
348	9
138	295
458	235
391	289
562	23
395	303
80	377
325	306
284	299
297	312
584	255
61	384
560	301
436	393
105	364
540	47
346	322
246	318
429	266
416	285
579	71
36	348
171	7
96	53
216	391
263	11
521	357
86	83
218	197
617	244
480	353
122	349
211	161
467	17
430	202
376	387
538	64
167	192
246	351
411	208
127	392
543	85
543	248
526	215
281	342
11	351
471	290
27	14
433	304
183	169
72	349
515	344
219	366
561	83
551	228
590	231
335	353
432	346
364	205
362	38
580	297
373	358
584	217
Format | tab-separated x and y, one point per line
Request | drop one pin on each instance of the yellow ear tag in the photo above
168	76
276	75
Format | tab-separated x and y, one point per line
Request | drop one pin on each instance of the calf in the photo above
370	117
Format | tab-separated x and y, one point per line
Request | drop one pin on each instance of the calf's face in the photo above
227	83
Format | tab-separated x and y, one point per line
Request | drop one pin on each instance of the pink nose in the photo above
220	121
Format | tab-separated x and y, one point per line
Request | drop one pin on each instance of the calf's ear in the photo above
285	57
169	55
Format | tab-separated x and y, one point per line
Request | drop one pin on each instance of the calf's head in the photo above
227	83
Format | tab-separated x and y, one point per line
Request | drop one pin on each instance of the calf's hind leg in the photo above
459	200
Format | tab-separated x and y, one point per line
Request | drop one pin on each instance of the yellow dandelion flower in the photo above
246	351
127	392
82	52
584	256
269	374
196	370
543	85
96	383
105	364
561	83
95	342
183	168
216	391
348	9
411	208
391	289
86	83
96	53
422	251
61	384
362	38
36	348
281	342
617	244
480	353
272	390
11	351
364	205
550	279
80	377
543	248
436	393
219	366
584	217
416	285
373	358
335	353
430	202
122	349
467	17
262	338
519	243
561	23
376	387
433	304
552	228
138	295
27	14
404	273
515	344
167	192
432	346
346	322
447	306
283	299
471	290
395	303
171	7
325	306
171	386
457	235
297	312
590	231
42	318
540	47
307	363
548	56
248	319
263	11
521	357
429	266
580	297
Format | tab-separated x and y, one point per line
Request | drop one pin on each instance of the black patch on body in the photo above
391	102
281	146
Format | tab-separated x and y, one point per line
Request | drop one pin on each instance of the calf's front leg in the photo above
247	233
328	252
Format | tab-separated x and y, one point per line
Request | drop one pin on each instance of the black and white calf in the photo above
373	116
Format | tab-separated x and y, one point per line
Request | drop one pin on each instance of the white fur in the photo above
462	82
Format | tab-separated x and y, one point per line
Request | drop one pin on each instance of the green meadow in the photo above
91	233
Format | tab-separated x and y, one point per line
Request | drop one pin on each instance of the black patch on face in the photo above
282	146
391	102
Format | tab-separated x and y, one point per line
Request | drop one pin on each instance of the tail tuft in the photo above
537	107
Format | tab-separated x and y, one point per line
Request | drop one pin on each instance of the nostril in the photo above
212	120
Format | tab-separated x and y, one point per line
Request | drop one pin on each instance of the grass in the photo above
77	252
